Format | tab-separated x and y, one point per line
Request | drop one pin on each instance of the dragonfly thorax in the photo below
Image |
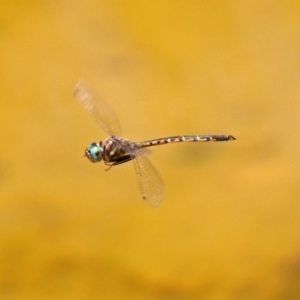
116	150
94	152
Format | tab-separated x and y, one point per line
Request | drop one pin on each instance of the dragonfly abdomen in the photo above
186	138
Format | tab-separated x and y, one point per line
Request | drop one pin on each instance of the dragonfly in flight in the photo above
117	150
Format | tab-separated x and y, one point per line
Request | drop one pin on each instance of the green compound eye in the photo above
94	152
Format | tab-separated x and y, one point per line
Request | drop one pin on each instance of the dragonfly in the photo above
116	150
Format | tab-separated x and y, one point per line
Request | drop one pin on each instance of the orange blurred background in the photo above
229	225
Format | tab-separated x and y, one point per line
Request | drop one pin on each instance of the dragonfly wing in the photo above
150	184
98	108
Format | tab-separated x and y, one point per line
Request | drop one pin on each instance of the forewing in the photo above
101	111
150	184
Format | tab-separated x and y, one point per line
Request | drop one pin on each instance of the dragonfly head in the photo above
94	152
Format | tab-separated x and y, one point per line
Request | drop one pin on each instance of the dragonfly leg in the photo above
122	160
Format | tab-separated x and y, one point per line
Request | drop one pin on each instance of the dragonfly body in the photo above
116	150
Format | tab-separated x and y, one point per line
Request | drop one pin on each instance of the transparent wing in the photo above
98	108
149	181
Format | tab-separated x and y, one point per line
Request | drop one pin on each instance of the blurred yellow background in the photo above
229	225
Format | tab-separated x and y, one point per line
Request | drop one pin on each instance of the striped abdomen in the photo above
186	138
